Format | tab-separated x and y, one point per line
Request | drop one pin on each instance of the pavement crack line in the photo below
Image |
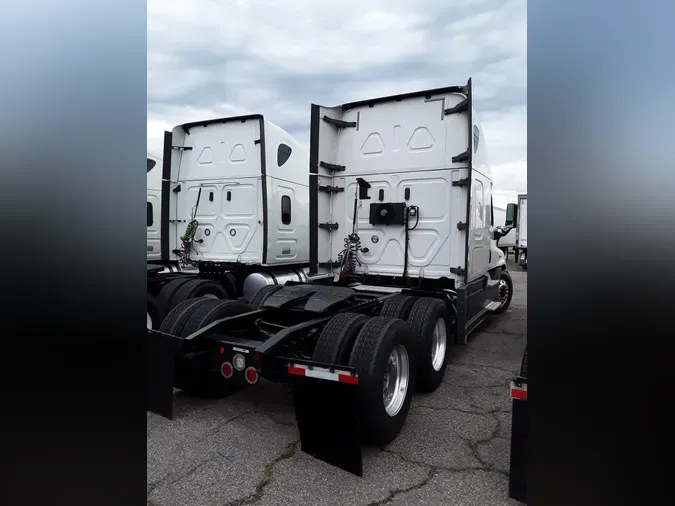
474	444
190	472
219	426
167	479
474	387
432	472
281	423
434	466
395	493
266	478
465	411
467	364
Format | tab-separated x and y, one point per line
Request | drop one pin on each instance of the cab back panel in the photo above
154	216
428	251
403	148
409	136
154	207
223	160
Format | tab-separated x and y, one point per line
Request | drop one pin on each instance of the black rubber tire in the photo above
168	292
231	285
155	311
337	338
262	295
212	311
205	382
199	288
369	357
423	317
398	306
177	318
506	277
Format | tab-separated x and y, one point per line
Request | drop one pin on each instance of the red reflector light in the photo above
257	356
520	395
221	351
346	378
297	371
251	375
226	370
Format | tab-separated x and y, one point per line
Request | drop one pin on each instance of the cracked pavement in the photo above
453	449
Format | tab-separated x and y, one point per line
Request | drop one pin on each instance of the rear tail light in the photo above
226	370
251	375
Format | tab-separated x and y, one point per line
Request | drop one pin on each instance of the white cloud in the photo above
215	58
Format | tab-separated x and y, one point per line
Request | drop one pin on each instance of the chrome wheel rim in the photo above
439	343
396	380
503	291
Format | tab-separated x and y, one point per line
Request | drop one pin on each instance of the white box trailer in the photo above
400	216
516	230
509	239
521	231
499	216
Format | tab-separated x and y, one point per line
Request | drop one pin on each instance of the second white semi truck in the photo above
228	212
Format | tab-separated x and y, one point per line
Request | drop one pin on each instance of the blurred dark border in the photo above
601	182
72	148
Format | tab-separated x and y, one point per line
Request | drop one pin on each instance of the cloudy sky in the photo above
215	58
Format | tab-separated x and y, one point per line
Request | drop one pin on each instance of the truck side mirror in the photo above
511	215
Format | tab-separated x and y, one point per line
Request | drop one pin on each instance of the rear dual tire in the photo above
398	306
382	350
384	358
180	290
203	379
430	320
155	313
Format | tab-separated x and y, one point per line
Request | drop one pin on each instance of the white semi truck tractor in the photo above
228	212
403	266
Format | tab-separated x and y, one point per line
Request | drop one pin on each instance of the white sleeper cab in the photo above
228	212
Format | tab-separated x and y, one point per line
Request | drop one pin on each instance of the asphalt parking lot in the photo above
453	449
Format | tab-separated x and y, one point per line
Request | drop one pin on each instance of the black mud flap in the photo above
328	421
518	465
161	351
